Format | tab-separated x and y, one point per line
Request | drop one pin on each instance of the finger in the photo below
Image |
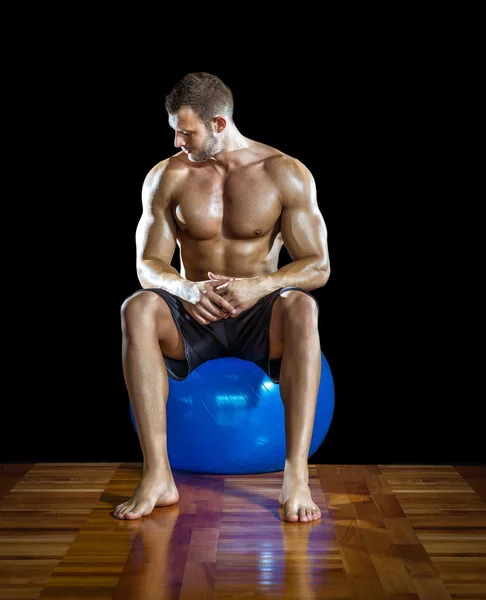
223	303
220	277
198	312
200	319
219	287
210	309
196	315
215	282
205	317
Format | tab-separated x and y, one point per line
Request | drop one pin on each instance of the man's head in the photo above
200	106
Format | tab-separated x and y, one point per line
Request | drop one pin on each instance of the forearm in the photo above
305	273
156	274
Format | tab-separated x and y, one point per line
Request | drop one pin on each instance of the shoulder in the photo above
288	168
282	167
166	171
292	177
163	178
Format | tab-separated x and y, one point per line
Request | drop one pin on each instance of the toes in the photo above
124	511
291	517
120	508
302	515
136	511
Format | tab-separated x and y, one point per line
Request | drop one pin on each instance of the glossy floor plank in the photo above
398	532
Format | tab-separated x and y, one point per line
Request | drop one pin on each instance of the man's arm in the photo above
304	231
156	236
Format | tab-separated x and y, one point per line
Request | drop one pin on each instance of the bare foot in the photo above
295	497
154	489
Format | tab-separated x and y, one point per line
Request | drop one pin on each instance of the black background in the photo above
368	127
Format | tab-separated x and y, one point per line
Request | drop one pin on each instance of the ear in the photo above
219	124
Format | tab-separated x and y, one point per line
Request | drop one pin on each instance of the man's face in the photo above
192	136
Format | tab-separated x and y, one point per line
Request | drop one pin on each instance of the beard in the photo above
210	148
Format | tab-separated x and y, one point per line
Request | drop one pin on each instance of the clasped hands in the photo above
222	297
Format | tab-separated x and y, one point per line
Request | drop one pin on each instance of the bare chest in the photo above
240	205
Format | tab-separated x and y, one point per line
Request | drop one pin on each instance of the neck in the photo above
233	141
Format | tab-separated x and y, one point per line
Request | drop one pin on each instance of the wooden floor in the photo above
387	531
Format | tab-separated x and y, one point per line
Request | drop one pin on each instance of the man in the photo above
230	203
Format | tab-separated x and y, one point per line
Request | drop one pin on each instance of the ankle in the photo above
159	469
296	464
296	469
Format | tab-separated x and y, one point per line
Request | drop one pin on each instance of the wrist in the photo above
190	292
268	284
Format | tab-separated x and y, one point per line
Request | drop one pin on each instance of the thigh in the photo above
280	307
147	305
276	330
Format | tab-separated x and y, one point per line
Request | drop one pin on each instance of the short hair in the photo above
206	94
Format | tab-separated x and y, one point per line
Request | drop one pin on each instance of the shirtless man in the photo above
230	203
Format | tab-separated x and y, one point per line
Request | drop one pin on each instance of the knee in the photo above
299	308
139	310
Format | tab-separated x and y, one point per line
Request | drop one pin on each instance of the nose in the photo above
179	140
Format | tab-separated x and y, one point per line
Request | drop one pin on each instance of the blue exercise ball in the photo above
227	417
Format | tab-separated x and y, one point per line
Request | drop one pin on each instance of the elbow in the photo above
323	273
143	274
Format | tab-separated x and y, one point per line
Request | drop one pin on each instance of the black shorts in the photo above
245	336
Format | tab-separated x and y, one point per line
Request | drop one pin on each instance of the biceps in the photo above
304	233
